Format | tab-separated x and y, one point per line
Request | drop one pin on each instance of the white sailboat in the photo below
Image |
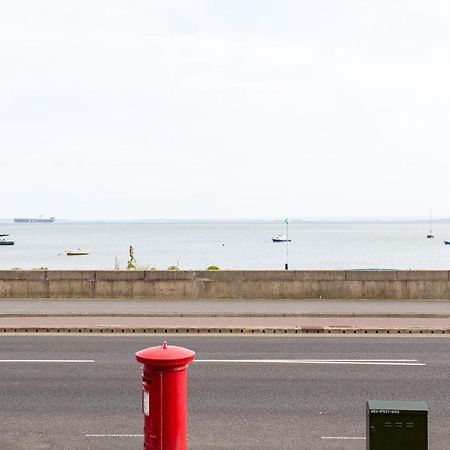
430	234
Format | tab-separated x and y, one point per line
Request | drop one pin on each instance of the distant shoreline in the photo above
237	221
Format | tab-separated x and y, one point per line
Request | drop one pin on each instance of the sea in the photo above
228	245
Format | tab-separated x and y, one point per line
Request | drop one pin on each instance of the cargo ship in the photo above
40	219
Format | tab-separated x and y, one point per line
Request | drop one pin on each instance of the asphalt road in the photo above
232	405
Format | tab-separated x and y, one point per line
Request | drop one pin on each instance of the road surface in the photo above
269	393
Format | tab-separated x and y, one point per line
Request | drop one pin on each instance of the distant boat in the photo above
430	234
281	238
76	252
40	219
5	241
447	242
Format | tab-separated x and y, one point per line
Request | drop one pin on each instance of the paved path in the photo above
223	316
243	308
224	322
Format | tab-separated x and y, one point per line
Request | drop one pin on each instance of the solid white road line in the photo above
373	362
47	361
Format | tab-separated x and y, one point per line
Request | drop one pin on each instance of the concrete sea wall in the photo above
226	284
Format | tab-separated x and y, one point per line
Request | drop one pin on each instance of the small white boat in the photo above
430	235
4	241
281	238
76	252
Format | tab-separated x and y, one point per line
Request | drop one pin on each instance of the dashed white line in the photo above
341	438
114	435
344	438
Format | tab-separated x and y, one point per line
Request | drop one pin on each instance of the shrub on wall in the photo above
131	264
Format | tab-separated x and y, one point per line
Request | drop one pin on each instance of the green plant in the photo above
173	268
40	268
213	268
16	268
131	264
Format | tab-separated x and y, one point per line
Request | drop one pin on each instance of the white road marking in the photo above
47	361
373	362
141	435
114	435
344	438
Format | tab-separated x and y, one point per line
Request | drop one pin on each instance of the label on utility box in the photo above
146	403
384	411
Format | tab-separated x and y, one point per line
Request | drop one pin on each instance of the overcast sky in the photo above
224	108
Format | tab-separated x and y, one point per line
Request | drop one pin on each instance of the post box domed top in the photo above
165	355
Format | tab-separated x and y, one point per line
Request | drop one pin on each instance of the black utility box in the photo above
396	425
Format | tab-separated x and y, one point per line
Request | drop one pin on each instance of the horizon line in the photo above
257	219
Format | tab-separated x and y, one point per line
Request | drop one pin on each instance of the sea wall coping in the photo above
227	275
423	275
25	275
119	275
85	275
371	275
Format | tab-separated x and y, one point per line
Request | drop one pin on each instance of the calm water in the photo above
228	245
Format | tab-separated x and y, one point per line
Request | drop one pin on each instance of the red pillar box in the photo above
164	396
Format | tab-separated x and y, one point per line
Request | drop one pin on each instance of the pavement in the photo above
224	316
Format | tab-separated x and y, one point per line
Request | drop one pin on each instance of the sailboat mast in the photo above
286	266
430	234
